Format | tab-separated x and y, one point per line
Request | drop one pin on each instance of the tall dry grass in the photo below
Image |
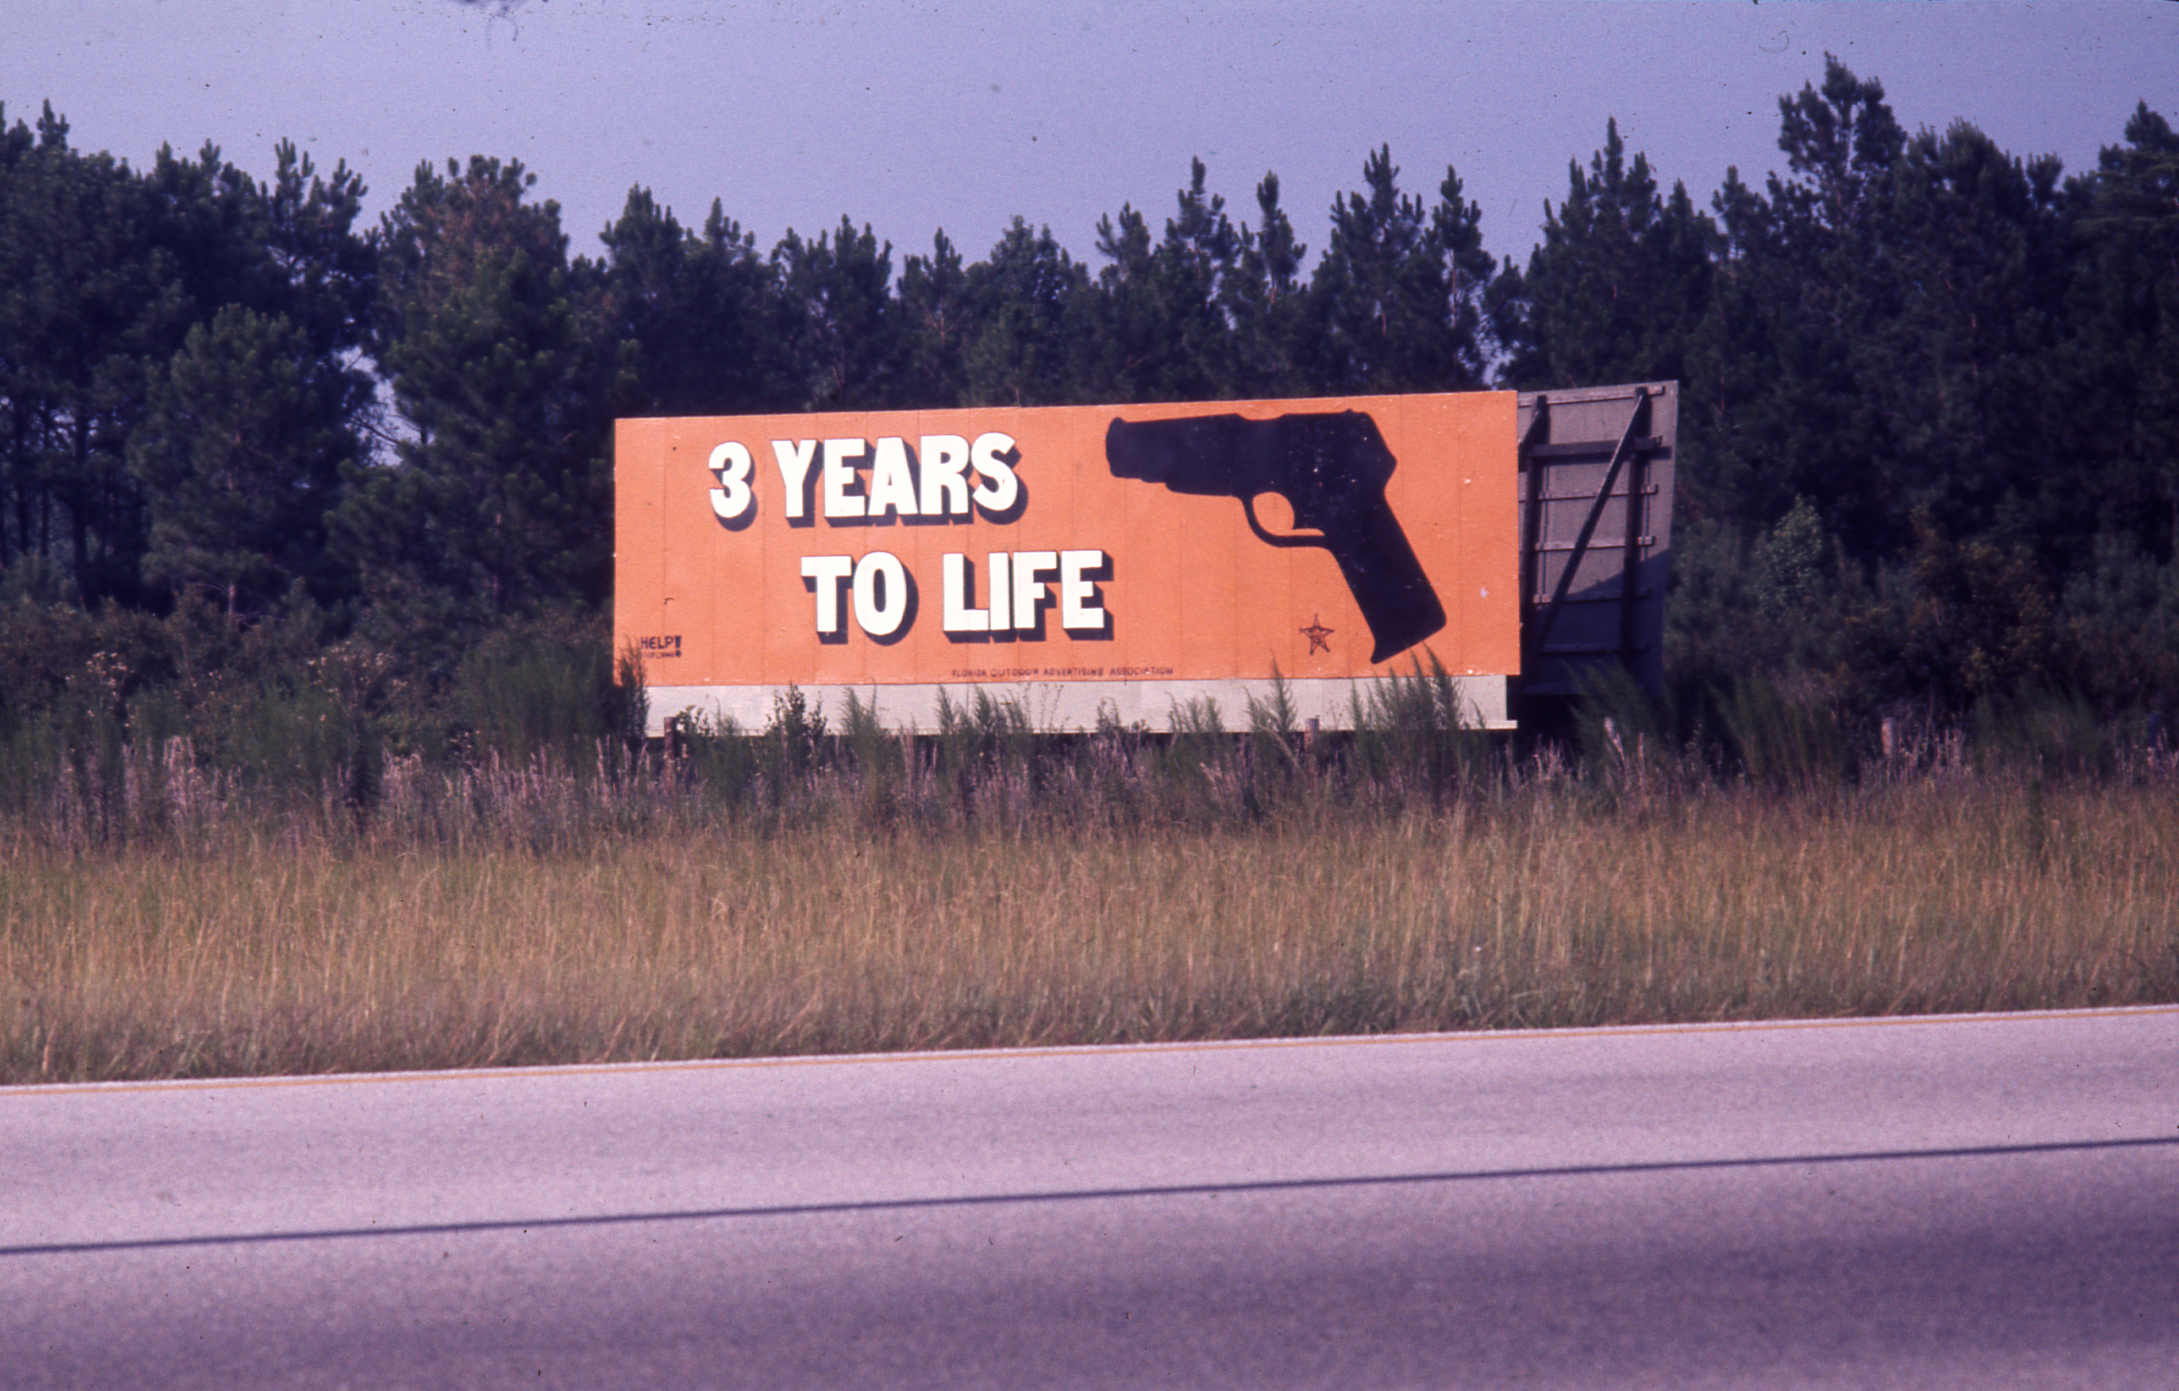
912	905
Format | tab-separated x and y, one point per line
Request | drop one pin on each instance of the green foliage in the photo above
1274	740
1199	755
107	277
90	300
878	761
319	489
1019	346
717	758
239	458
549	693
1412	732
1625	735
845	328
796	733
1266	300
2121	617
937	315
1155	326
495	506
985	738
695	316
1398	299
1966	620
1785	736
1614	291
2045	733
2121	342
1789	567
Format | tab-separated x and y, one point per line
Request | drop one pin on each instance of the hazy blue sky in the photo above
916	116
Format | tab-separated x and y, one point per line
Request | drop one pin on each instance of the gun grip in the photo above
1388	583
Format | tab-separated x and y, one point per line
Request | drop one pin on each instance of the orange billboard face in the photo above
1096	561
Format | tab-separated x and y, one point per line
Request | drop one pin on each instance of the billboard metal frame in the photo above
1596	468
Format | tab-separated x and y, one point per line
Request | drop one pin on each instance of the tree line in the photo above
1929	437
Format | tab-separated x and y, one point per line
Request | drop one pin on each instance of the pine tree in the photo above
497	502
2121	363
325	269
90	301
1476	293
1976	266
1619	281
1799	287
693	315
1194	260
1124	348
845	339
104	275
1396	303
1023	303
240	456
1157	325
935	309
1265	299
2116	379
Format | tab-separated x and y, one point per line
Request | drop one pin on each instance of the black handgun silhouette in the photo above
1331	468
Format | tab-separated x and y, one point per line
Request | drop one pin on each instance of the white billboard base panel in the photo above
1064	707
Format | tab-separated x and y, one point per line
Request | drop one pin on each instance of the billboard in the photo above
1114	561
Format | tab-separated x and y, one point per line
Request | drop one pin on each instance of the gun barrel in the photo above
1201	455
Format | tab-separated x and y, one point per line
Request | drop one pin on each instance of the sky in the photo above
914	117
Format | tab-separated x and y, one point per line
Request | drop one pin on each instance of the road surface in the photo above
1982	1202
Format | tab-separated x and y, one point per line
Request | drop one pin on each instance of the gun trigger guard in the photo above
1248	505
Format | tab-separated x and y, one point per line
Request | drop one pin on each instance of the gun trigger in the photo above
1248	505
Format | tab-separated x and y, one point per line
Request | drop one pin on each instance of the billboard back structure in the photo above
1097	562
1597	471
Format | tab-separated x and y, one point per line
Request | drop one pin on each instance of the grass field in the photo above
525	917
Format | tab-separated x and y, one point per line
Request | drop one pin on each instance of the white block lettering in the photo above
996	487
1078	608
839	477
1002	591
961	613
881	594
828	571
794	471
945	486
892	486
731	465
1029	591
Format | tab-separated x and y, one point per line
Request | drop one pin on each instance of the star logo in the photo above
1316	632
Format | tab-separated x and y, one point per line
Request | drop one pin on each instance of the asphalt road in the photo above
1978	1203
